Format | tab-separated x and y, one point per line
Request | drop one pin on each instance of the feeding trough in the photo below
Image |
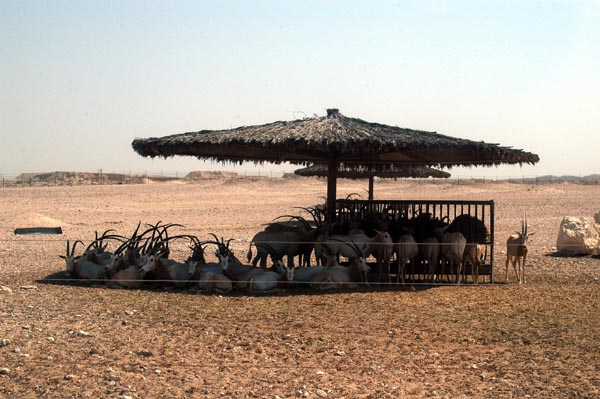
37	230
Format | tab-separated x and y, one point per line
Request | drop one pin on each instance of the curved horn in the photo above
136	230
152	229
349	196
215	236
74	245
217	243
298	218
315	213
122	247
354	246
99	240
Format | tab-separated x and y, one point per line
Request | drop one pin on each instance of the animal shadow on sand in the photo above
557	254
62	278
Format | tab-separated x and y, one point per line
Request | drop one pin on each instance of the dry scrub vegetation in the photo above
61	339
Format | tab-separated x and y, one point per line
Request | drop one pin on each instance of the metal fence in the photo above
101	177
392	210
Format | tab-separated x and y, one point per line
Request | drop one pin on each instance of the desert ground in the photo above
62	339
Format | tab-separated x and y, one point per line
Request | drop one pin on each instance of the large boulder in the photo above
577	236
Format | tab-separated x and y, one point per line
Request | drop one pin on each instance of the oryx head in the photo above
289	272
524	233
360	261
70	257
192	264
151	261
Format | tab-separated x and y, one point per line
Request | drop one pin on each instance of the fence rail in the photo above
101	177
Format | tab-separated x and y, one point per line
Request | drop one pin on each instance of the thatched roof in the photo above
348	140
388	172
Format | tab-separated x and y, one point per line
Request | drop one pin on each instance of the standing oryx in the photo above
516	248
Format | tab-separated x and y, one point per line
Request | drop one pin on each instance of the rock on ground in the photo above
577	236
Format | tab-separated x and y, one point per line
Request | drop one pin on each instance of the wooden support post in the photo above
331	191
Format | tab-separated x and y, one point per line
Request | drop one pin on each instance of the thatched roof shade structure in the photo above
387	172
333	139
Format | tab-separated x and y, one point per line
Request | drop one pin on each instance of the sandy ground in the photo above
60	339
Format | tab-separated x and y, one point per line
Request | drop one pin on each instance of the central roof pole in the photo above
332	167
371	178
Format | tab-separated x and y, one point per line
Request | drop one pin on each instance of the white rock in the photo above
28	287
4	371
577	236
4	342
84	334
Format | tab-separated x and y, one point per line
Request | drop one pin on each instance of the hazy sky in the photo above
79	80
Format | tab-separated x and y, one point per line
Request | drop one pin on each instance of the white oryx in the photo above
429	252
406	250
337	276
474	255
167	272
516	252
452	249
80	268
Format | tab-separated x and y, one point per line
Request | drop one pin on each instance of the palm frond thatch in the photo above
361	172
335	136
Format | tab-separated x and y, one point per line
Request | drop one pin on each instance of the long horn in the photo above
315	213
359	254
215	236
155	229
312	211
194	239
152	229
306	209
122	247
136	230
217	243
169	225
304	222
299	218
99	240
178	236
74	245
351	244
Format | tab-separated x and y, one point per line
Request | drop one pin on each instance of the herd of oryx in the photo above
420	248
